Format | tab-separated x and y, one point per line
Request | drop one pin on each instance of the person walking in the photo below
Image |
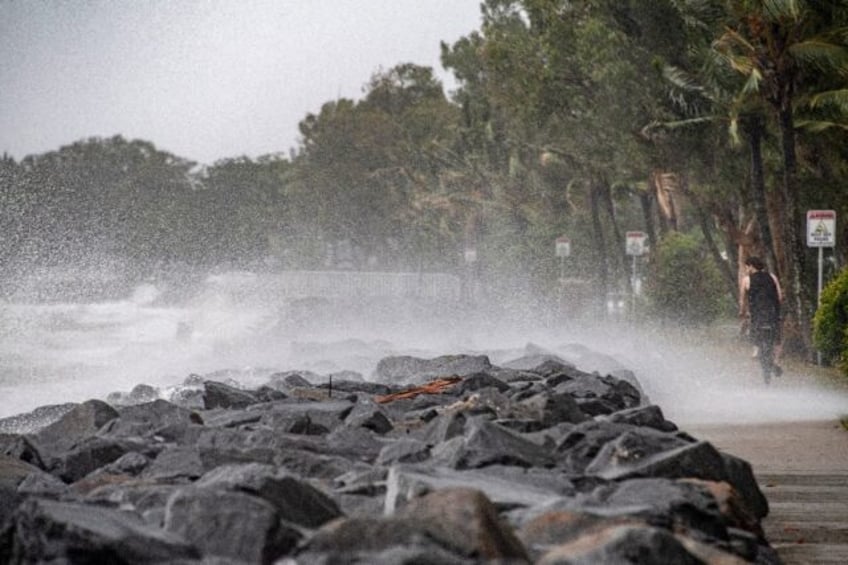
760	301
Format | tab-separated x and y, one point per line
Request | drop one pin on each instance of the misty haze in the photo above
491	218
439	281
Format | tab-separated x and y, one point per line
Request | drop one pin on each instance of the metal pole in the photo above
560	290
633	292
818	294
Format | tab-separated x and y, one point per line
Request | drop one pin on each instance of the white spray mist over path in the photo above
699	380
50	354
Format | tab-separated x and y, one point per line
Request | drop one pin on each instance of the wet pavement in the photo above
802	468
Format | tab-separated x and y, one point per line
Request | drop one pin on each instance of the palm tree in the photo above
774	44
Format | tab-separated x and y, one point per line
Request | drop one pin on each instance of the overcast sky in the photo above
202	79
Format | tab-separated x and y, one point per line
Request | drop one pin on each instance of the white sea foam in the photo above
55	353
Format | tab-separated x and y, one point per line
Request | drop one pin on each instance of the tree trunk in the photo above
740	237
646	199
666	209
798	338
621	257
600	242
754	129
704	221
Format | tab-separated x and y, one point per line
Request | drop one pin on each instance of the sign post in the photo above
821	233
563	250
469	280
635	247
636	243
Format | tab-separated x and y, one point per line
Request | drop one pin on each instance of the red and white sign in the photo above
821	228
563	246
635	243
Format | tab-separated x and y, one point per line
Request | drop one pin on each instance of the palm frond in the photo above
678	124
733	131
816	126
752	84
837	99
777	10
741	63
732	39
686	92
698	14
822	54
681	79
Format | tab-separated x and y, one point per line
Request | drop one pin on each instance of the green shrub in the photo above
830	324
684	285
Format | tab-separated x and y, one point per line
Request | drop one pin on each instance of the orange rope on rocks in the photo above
433	387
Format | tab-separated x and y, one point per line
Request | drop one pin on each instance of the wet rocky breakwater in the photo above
444	460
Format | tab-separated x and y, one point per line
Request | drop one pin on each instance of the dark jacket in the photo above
763	300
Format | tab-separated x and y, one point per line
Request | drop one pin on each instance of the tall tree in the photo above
774	44
105	198
241	211
363	166
542	83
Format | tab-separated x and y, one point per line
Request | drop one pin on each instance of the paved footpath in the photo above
802	468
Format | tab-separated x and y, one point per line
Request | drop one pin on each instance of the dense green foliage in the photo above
830	324
685	286
723	120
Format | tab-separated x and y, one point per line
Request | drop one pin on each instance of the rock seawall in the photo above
445	460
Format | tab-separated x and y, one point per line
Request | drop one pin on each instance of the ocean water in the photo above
52	353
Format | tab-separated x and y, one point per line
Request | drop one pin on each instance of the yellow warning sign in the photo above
821	228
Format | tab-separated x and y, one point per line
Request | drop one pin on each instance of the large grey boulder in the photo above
485	443
367	414
552	409
158	418
581	443
650	416
89	455
411	549
20	447
415	370
146	499
80	422
296	501
306	417
506	487
47	531
681	505
13	472
543	364
479	381
442	427
466	520
698	460
631	448
221	395
403	450
229	524
621	544
462	522
611	393
369	539
175	464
